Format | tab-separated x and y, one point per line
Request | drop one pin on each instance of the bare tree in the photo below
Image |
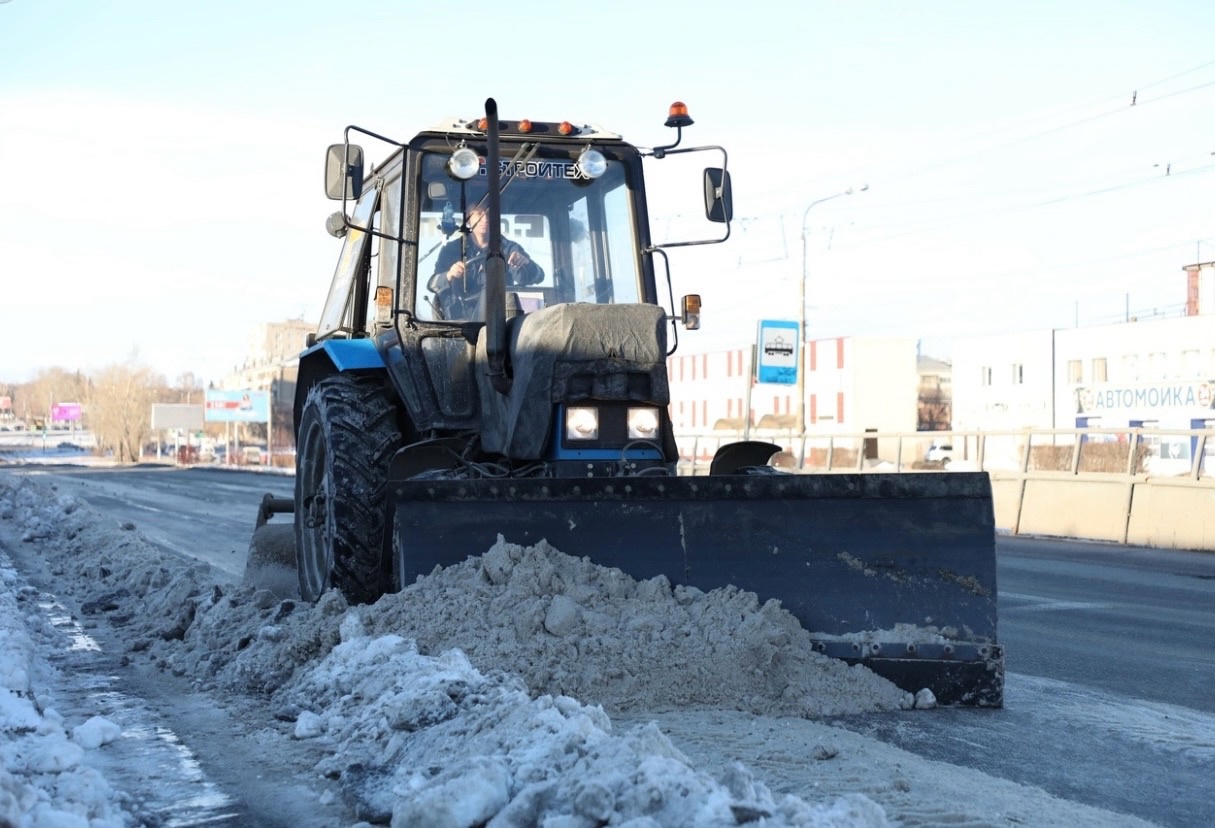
120	408
935	410
189	388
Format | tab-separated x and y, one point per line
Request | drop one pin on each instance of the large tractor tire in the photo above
348	434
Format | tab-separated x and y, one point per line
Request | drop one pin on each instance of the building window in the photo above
1191	364
1018	374
1100	372
1075	371
1157	366
985	375
1130	368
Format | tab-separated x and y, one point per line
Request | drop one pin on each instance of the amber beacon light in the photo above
677	115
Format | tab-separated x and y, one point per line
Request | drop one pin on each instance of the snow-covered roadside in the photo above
478	695
45	780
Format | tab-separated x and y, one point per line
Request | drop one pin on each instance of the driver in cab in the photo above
460	268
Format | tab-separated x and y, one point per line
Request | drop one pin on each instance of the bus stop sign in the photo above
777	351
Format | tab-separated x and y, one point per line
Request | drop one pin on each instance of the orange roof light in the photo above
565	128
677	115
525	125
483	124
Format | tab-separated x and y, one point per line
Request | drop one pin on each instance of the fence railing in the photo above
1126	451
1141	486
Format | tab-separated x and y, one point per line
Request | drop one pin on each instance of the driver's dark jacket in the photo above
458	298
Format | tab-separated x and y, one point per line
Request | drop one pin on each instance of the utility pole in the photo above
801	305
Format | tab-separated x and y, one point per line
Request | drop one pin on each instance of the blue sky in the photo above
163	161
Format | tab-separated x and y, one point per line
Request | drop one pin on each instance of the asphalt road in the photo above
1110	692
176	507
1132	621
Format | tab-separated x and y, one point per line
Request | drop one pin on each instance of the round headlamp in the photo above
591	163
464	163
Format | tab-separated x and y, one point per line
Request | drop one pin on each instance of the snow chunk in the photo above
95	732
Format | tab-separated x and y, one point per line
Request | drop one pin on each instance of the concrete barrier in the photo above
1168	513
1174	514
1072	508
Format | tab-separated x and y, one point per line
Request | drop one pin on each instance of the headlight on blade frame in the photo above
582	423
643	423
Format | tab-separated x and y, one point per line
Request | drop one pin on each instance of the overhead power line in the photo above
920	224
1119	103
1042	134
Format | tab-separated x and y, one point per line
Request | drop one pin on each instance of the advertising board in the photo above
65	412
237	406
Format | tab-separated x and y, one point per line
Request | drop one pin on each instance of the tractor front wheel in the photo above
348	434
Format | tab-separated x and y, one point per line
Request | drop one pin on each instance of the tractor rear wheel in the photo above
347	436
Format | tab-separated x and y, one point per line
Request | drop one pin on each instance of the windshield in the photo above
565	238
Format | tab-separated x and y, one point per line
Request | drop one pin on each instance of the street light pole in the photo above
801	352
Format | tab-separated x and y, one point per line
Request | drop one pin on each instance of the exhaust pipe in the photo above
494	298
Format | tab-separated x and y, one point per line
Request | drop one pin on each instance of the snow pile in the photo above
455	699
467	747
570	626
564	625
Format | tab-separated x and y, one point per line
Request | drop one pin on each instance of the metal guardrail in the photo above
1142	486
1130	452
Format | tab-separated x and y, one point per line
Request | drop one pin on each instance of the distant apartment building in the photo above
935	396
272	364
271	355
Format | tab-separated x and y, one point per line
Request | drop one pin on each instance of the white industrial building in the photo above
1157	373
852	384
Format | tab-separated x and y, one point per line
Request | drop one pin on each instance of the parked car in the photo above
941	451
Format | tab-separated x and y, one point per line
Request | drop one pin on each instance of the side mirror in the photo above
719	202
344	171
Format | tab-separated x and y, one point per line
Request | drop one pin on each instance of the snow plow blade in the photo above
893	571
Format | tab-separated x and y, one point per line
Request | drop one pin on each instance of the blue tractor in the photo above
436	411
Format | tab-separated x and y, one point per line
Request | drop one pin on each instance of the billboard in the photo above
237	406
177	415
61	412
